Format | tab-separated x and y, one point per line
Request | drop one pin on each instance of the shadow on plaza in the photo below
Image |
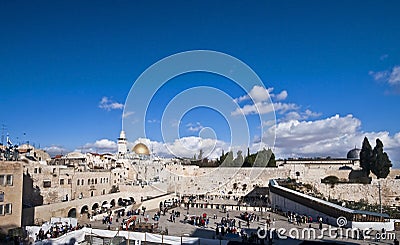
210	234
327	243
203	233
71	241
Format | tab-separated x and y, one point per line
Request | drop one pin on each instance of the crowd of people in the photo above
201	220
56	230
249	217
298	219
232	228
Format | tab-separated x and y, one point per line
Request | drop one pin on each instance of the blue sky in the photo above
59	60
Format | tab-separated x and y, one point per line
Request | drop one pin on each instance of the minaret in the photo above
122	146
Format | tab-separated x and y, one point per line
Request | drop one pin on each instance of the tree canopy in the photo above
374	160
366	156
263	158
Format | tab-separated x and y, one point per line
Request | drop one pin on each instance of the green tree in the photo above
238	162
366	156
263	158
381	164
272	161
249	160
226	160
222	158
376	160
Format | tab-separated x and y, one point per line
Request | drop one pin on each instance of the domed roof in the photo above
141	149
75	154
354	154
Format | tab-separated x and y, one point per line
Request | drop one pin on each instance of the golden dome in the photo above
141	149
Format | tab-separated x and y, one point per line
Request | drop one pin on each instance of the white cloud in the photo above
282	95
379	75
55	150
185	147
257	108
175	123
392	77
127	114
333	136
264	108
194	127
241	98
153	121
264	105
257	94
294	115
108	105
100	146
294	131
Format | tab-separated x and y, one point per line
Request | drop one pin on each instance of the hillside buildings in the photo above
79	183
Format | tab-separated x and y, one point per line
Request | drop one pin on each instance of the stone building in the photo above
29	151
58	183
11	183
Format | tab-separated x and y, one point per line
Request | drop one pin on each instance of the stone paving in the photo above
183	229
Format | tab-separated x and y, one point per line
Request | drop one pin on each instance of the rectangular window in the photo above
35	171
61	181
2	179
8	208
1	196
1	209
9	180
46	183
69	181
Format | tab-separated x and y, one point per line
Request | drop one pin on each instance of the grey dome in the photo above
354	154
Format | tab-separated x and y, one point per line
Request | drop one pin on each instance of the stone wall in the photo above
39	214
11	194
390	191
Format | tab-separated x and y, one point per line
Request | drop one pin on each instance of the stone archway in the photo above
112	203
85	209
120	201
95	206
72	213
